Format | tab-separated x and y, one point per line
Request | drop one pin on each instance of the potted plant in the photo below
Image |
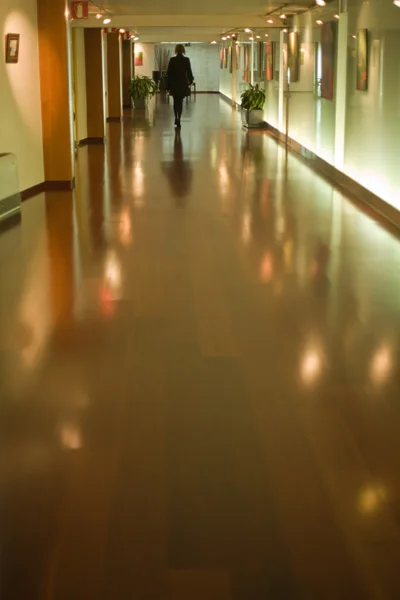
253	100
141	88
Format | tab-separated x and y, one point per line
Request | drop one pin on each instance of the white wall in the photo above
148	59
80	83
204	59
20	107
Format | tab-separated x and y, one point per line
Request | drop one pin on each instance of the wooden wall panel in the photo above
126	72
94	83
53	57
114	76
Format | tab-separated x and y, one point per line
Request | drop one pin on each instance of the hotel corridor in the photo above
199	376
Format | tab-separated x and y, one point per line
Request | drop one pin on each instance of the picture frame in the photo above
328	44
138	59
12	47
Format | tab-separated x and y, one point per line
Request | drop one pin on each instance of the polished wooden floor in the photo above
199	377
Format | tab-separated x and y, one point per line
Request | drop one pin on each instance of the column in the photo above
341	91
234	74
126	72
282	80
94	85
114	77
55	77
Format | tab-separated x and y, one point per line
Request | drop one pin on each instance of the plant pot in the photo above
140	103
253	119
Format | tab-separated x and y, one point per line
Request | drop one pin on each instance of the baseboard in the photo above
91	141
33	191
229	100
48	186
351	187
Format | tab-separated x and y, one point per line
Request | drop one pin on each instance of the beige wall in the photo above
79	68
148	59
20	114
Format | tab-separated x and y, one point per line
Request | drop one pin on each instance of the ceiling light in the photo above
319	22
247	30
251	39
266	35
285	31
214	42
282	16
320	2
99	16
122	30
258	37
337	16
228	36
107	21
396	3
132	37
354	36
270	21
224	39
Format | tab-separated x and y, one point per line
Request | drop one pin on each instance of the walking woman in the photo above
180	77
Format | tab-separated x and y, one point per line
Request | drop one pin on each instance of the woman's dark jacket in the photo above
179	75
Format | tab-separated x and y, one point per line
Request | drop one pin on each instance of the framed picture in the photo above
328	40
294	62
225	58
221	58
12	47
362	60
269	51
138	59
230	59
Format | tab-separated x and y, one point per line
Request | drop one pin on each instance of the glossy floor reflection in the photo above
199	377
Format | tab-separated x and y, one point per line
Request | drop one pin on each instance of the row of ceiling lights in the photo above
107	21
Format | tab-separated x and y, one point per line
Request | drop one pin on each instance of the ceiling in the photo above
190	20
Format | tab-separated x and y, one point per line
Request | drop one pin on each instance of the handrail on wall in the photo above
10	197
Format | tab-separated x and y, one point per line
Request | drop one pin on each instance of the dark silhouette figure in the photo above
179	78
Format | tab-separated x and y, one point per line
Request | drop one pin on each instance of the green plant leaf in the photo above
142	87
253	98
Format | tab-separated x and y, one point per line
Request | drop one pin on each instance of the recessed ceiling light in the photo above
320	2
354	36
99	16
214	42
258	37
135	39
107	21
266	35
122	30
285	31
319	22
224	39
270	21
247	30
396	3
282	16
251	39
337	16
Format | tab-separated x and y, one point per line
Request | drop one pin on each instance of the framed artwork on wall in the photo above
12	47
328	40
269	63
225	58
362	60
138	59
230	59
221	58
294	62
